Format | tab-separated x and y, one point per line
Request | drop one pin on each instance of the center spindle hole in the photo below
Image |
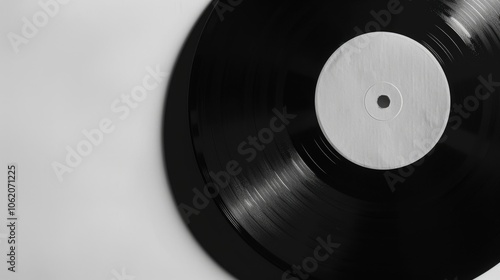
383	101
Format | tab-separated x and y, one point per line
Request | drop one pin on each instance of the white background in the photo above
113	216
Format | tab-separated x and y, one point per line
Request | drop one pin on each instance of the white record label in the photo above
383	100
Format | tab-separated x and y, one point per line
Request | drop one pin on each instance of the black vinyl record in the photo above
268	196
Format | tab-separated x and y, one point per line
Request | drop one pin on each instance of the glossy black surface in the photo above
436	219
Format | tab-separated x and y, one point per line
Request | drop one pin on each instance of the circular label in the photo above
383	100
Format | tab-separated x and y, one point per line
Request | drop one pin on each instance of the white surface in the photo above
113	216
357	74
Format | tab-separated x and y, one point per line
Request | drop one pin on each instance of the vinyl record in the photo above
291	178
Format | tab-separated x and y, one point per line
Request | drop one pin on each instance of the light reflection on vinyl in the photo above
251	110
